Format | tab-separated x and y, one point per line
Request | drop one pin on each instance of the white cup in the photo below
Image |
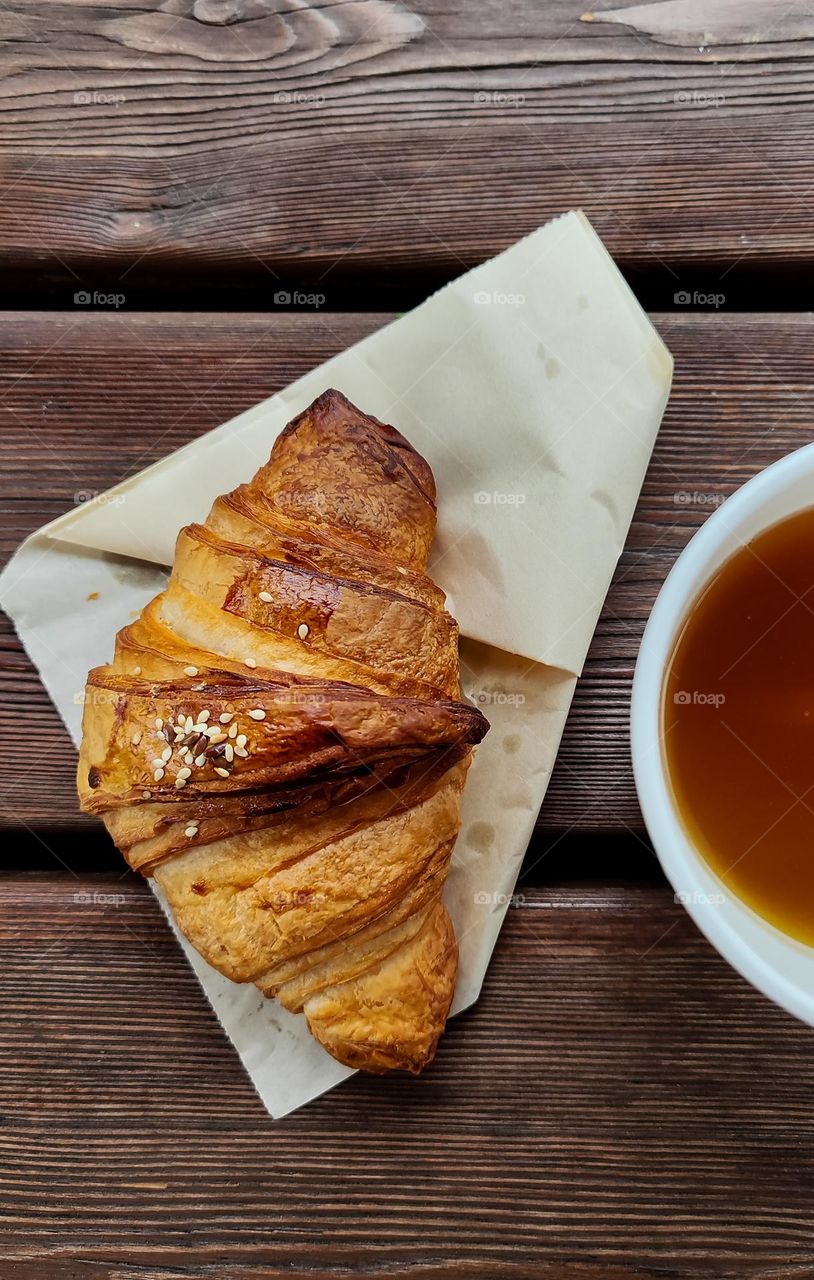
776	964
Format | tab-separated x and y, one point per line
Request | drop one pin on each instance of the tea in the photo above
738	724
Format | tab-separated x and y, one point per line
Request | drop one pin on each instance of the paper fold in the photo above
535	386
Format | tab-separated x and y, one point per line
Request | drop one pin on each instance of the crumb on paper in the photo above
93	595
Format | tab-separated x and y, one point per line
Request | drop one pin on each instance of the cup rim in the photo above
734	932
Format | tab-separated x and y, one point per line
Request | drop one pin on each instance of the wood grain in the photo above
621	1102
249	141
89	399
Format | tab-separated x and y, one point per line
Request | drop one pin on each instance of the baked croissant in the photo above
281	743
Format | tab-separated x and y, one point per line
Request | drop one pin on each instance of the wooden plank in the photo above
670	1130
92	398
235	141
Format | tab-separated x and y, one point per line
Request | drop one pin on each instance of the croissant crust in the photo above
281	743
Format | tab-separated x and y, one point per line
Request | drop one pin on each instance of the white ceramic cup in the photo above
776	964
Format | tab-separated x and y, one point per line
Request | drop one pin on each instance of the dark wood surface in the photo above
243	141
90	399
618	1104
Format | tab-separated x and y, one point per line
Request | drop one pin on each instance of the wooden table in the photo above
619	1103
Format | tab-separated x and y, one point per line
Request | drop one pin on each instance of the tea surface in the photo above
738	724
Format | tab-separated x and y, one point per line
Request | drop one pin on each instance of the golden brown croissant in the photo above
280	739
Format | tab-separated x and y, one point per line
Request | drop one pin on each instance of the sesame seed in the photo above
240	740
158	763
222	773
200	761
136	671
188	757
242	752
229	752
188	725
226	716
204	716
217	736
158	775
179	719
258	714
166	753
190	671
250	662
136	738
191	830
159	723
233	730
184	773
198	727
180	782
266	597
302	630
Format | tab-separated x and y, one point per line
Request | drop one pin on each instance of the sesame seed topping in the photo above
189	725
302	630
200	761
204	716
191	830
179	719
158	763
188	757
250	662
136	671
136	738
159	723
241	751
180	782
158	775
229	752
258	714
241	740
233	730
198	727
184	773
190	671
226	716
222	773
266	597
166	753
217	736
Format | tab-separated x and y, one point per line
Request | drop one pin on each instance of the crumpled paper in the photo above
535	386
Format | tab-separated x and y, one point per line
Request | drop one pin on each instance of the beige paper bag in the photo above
534	385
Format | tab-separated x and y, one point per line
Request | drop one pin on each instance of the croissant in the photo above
281	743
